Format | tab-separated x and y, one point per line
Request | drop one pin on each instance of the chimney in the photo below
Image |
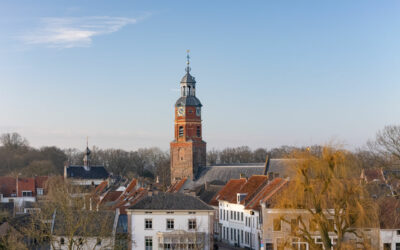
270	176
65	171
266	165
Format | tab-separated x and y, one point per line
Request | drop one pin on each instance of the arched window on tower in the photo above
184	91
188	91
180	131
198	131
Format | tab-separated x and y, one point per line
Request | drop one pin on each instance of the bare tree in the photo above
387	142
64	219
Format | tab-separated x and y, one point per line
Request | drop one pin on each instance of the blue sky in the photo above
269	73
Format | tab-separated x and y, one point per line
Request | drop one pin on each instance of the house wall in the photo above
88	244
18	201
204	220
391	236
272	237
86	182
247	234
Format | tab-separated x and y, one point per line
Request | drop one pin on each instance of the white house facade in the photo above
170	221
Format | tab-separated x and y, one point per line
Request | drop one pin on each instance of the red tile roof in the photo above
100	188
8	186
253	184
176	186
131	200
40	181
228	193
131	186
26	184
111	196
372	174
266	193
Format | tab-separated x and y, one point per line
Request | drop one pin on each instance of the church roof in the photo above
188	101
224	173
188	78
94	172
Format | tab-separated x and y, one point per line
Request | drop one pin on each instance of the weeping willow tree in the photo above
335	204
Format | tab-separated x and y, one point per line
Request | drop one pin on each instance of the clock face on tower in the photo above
198	111
181	111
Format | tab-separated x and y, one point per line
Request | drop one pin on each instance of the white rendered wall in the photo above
253	229
389	236
159	218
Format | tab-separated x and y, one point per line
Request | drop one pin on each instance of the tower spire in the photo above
187	61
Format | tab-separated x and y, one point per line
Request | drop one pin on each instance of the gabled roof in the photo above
372	175
8	186
176	186
266	193
94	172
26	184
228	193
40	181
131	199
111	196
253	184
171	201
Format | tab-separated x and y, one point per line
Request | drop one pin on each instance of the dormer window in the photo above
240	197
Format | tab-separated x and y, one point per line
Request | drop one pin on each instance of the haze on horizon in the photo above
268	73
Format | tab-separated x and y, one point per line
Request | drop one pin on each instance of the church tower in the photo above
188	150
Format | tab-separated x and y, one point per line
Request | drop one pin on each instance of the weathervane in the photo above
187	61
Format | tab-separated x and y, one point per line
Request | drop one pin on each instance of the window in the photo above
62	241
277	225
397	246
192	224
191	212
180	131
241	216
231	234
148	242
241	237
231	215
39	191
294	223
387	246
198	131
234	215
27	193
148	224
398	232
170	223
98	242
269	246
192	246
80	241
167	246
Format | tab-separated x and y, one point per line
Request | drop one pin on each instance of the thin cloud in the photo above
74	31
